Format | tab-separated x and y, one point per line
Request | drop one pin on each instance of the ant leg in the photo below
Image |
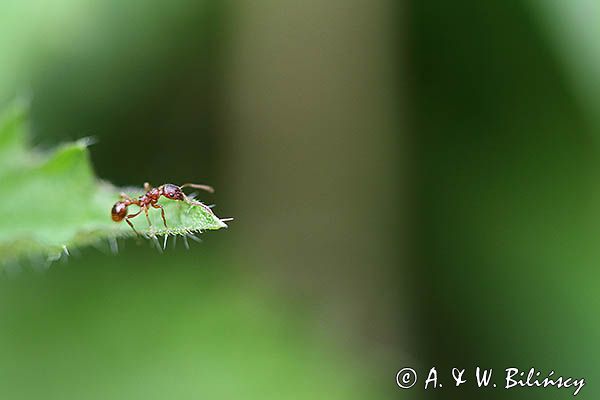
127	219
132	227
147	217
162	213
125	196
207	188
147	186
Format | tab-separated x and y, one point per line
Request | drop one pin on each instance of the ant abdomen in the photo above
119	211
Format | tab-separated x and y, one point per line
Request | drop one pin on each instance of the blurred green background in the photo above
413	184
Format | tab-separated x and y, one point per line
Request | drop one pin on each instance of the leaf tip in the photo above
223	220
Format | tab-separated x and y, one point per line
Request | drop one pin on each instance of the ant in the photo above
150	199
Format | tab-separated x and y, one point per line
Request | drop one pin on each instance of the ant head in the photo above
119	211
172	192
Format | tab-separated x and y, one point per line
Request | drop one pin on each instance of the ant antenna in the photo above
207	188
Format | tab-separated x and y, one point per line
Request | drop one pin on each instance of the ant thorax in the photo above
153	193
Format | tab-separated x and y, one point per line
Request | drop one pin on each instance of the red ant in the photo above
150	199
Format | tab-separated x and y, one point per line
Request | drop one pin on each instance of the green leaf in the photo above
52	202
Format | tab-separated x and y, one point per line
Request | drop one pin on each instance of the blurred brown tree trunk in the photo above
317	157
